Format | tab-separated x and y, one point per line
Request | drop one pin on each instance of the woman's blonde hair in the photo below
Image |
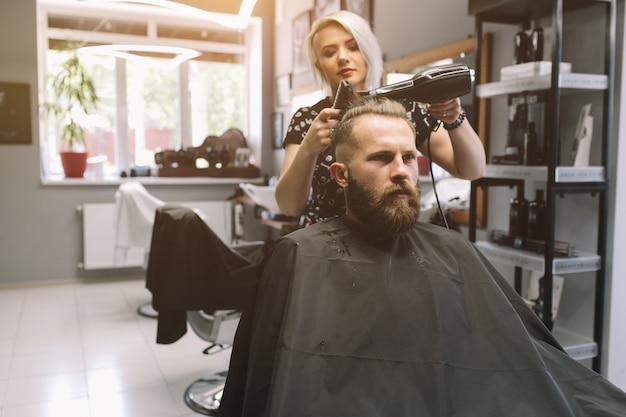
364	37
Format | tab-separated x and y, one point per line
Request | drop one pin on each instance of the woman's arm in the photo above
296	174
459	151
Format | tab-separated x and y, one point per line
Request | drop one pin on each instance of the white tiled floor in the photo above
81	350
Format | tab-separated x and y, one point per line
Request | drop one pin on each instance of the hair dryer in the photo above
427	86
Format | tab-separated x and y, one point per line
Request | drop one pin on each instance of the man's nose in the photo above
399	170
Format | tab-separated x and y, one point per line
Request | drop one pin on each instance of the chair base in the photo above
203	396
146	310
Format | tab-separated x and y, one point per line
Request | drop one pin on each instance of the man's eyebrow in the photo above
381	152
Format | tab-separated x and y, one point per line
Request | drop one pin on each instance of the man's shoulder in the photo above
430	231
311	239
325	227
434	228
335	227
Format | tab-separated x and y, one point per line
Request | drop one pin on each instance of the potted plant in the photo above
74	96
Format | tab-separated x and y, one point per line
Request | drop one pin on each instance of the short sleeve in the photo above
301	122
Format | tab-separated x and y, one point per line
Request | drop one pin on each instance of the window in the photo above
150	100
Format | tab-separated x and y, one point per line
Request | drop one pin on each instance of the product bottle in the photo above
214	157
522	46
530	145
537	217
224	157
536	44
518	220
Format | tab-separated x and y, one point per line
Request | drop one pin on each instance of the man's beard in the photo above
381	211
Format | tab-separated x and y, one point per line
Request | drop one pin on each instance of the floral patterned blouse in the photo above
326	198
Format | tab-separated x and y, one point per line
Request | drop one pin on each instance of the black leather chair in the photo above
196	279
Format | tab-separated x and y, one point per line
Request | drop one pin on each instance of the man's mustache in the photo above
399	188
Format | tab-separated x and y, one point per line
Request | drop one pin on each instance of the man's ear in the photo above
339	171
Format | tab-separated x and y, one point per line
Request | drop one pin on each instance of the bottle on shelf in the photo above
522	45
214	157
531	154
536	43
518	221
224	157
537	217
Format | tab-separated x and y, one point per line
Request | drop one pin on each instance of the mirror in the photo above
459	52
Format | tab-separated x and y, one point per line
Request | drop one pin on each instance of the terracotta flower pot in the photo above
74	164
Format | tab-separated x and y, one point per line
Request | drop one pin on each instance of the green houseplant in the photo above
73	96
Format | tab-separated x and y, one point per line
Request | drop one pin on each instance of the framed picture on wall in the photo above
15	114
363	8
323	7
277	129
300	28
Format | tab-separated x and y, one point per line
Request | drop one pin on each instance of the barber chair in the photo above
197	280
133	219
135	210
203	396
133	222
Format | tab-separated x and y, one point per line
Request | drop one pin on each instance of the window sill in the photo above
69	182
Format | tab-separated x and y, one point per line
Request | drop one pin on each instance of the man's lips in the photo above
398	194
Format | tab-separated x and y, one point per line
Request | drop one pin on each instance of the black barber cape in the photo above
351	325
190	268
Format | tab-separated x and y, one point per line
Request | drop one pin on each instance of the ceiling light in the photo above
239	21
127	52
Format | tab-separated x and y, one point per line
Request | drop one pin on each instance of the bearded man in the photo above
376	314
377	168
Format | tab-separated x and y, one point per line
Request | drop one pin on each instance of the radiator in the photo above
99	251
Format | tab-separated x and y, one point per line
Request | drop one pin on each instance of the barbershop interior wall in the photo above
40	229
405	27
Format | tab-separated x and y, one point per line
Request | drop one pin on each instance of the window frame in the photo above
250	50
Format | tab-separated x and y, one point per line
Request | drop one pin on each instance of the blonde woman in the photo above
342	46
